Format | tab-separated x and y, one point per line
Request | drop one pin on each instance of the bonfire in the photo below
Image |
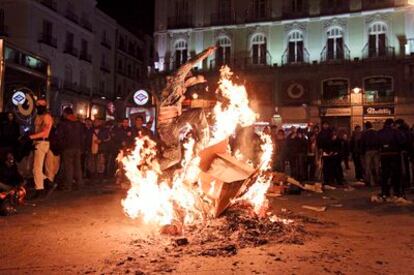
209	178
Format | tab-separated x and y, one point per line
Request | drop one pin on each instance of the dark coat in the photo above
390	140
70	134
369	140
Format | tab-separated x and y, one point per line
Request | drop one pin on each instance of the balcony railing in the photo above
374	53
51	4
339	101
85	57
70	86
341	55
223	18
259	61
106	43
368	5
180	22
296	59
48	39
84	90
72	16
367	99
105	67
255	16
86	24
69	49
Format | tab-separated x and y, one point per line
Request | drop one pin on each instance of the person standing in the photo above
69	134
42	127
324	146
140	130
356	153
369	150
390	141
52	160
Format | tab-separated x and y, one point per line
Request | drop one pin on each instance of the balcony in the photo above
256	16
344	100
84	90
329	7
85	57
51	4
105	67
372	100
72	16
106	43
378	53
378	4
180	22
337	57
223	18
288	59
70	86
85	23
48	39
69	49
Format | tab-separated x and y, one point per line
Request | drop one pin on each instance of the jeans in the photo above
359	171
390	171
72	167
371	160
41	149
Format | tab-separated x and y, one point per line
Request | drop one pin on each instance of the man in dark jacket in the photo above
356	153
390	141
369	149
70	135
324	141
10	134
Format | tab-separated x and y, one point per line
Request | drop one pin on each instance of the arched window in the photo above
223	52
68	74
334	44
259	49
181	52
295	47
377	39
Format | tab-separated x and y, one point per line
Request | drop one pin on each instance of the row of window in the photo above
296	52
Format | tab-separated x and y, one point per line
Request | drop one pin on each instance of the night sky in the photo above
132	14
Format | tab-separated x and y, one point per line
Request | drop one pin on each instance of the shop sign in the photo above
386	111
295	91
18	98
338	112
141	97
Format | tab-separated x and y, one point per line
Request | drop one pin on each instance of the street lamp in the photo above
356	90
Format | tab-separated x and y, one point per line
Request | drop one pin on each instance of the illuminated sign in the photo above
141	97
18	98
379	111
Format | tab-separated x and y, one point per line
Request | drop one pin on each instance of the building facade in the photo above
79	42
308	60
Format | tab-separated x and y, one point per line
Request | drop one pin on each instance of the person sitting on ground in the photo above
12	190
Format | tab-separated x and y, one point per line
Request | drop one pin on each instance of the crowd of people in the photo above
64	151
67	151
382	157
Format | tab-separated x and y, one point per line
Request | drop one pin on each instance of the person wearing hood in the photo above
69	135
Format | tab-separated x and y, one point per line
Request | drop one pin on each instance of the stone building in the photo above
308	60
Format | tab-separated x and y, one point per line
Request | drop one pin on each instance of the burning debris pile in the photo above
206	177
240	227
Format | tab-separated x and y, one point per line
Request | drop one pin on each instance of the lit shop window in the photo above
378	90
